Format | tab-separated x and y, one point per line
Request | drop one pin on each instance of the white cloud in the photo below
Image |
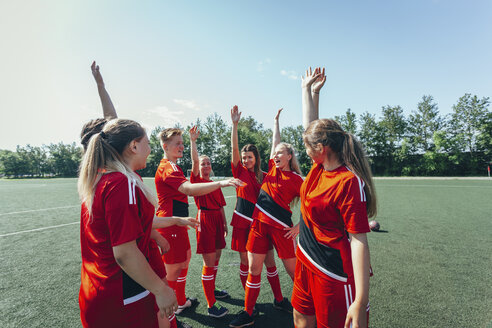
289	74
262	64
162	116
191	104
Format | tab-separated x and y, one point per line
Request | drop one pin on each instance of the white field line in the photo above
50	227
39	229
42	209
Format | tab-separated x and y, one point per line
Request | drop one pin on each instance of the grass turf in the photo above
432	261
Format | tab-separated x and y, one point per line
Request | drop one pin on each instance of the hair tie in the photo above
103	135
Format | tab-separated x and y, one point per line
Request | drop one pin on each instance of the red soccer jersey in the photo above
168	178
278	190
246	196
120	213
211	201
332	204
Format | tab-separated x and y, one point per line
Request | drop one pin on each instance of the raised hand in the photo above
310	77
96	73
278	114
319	82
235	114
194	133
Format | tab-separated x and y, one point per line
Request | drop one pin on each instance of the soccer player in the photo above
172	191
272	224
210	236
116	220
246	166
331	285
95	126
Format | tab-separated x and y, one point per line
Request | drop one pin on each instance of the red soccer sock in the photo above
208	283
272	275
180	287
252	291
216	267
172	321
243	274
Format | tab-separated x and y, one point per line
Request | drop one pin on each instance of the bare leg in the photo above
304	321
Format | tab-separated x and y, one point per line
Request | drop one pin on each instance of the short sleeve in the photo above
271	164
236	171
353	207
174	179
195	178
121	212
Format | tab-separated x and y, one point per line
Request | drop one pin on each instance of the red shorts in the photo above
155	260
326	298
210	233
239	239
179	242
262	236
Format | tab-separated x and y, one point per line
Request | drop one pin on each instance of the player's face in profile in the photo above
174	147
315	155
248	159
205	166
282	158
142	151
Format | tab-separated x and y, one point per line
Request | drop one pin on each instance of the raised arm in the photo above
195	163
316	87
235	155
109	111
309	111
276	133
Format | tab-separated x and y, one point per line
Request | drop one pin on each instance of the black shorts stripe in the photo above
180	208
324	256
245	207
266	202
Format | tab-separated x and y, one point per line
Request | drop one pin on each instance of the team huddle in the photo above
135	246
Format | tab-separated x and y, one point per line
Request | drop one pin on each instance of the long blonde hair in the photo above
349	150
293	163
104	155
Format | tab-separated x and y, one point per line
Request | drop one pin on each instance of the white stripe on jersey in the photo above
133	191
320	268
361	186
243	216
175	168
130	191
135	298
272	217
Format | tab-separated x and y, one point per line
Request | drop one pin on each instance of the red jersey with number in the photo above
278	190
120	213
211	201
246	196
332	204
168	178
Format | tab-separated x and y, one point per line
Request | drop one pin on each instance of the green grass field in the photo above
432	262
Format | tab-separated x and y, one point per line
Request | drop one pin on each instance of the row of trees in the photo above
424	143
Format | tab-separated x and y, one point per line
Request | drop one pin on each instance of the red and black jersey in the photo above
246	196
332	204
120	213
211	201
168	178
278	190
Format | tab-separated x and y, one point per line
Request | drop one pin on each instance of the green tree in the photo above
423	123
348	121
64	159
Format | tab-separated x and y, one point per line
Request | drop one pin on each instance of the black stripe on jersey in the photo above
130	287
326	257
266	202
180	208
245	207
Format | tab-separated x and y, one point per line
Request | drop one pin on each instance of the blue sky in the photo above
174	61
